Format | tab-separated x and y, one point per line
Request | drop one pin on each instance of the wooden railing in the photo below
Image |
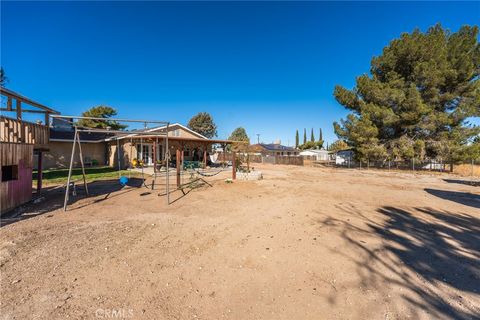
19	131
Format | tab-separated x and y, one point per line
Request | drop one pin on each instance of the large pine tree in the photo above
416	101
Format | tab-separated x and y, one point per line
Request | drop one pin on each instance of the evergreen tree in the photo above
312	138
100	112
203	123
304	135
297	140
3	77
239	134
320	135
417	98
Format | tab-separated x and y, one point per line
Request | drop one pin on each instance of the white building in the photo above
319	154
343	157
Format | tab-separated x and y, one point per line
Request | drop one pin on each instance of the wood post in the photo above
155	157
39	172
234	166
19	110
47	118
179	164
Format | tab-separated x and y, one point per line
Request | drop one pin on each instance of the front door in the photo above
145	152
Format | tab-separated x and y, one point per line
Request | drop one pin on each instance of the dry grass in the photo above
467	170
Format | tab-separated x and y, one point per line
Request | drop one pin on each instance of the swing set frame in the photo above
119	134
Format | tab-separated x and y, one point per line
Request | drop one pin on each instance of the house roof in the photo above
275	147
160	128
179	125
67	135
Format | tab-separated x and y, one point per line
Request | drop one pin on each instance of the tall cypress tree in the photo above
320	135
297	140
312	138
304	135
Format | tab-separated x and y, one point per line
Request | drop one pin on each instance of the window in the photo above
176	133
9	173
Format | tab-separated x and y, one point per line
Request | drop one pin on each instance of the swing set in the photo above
123	180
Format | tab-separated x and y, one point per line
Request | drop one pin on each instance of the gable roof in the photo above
179	125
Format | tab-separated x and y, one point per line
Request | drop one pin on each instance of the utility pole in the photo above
258	138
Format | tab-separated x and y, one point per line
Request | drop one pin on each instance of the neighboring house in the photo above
19	140
318	154
344	157
101	148
274	149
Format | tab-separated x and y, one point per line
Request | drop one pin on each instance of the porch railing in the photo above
19	131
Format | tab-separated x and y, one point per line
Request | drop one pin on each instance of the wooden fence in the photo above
19	131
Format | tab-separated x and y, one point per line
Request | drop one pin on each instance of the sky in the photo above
269	67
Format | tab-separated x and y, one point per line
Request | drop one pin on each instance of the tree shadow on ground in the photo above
465	198
53	198
466	182
429	253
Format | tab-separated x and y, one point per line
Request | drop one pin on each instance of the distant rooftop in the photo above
276	147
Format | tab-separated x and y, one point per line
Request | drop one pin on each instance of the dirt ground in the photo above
304	243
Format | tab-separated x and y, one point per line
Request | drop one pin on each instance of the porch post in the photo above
155	157
39	172
234	169
205	156
179	163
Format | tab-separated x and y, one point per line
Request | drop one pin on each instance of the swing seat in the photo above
123	180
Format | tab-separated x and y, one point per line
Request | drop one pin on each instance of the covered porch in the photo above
151	151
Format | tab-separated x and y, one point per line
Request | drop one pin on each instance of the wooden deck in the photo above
19	131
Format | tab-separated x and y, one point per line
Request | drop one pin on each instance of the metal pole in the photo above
70	171
167	157
81	162
110	119
118	157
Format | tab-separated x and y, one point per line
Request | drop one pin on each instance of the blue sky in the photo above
267	66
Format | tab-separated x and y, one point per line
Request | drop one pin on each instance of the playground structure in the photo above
117	134
121	144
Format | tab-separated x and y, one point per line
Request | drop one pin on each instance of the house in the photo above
316	154
188	144
100	148
19	140
94	148
274	149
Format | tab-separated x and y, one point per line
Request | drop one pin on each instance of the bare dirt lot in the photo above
304	243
